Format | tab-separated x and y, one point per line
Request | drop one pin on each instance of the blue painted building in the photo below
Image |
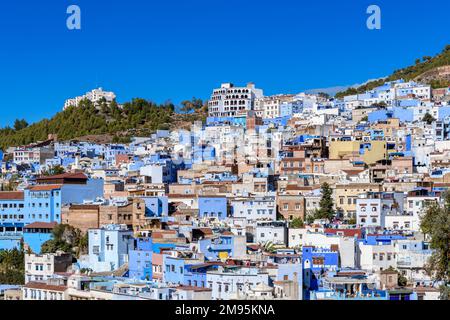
238	121
212	207
140	259
280	121
38	204
174	269
316	261
204	153
156	206
35	234
195	274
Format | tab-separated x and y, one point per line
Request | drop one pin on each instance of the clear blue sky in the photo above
176	49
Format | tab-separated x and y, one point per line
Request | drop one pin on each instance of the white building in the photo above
372	209
348	252
226	282
44	291
271	107
415	207
154	173
38	155
40	268
400	222
412	257
377	257
295	237
108	248
229	101
275	232
94	96
255	209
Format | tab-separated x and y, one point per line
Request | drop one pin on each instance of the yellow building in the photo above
345	195
369	152
389	127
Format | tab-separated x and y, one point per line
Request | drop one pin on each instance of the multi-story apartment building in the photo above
230	101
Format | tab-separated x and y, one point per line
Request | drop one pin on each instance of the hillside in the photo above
105	123
89	120
431	70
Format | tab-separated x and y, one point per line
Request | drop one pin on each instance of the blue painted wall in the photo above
212	207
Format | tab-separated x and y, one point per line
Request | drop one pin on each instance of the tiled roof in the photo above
78	175
44	286
41	225
45	187
13	195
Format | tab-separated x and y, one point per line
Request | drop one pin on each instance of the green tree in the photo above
326	203
435	223
297	223
408	73
87	119
67	239
12	266
20	124
428	118
191	105
310	218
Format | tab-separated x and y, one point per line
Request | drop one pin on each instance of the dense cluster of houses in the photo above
226	210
